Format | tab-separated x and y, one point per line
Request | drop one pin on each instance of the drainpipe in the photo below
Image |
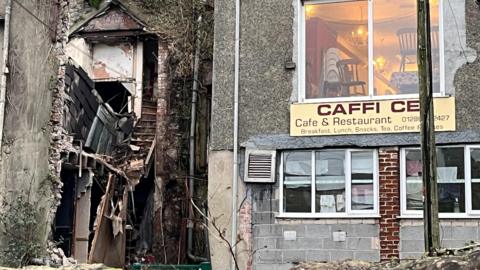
4	66
233	240
191	165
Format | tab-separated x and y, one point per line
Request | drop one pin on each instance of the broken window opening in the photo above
115	94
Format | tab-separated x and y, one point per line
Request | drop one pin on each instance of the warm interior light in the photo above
380	63
360	36
309	10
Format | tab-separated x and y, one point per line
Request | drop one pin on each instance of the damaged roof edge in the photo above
100	11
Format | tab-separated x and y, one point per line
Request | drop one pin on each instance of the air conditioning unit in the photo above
260	166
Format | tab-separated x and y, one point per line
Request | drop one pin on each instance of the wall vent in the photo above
260	166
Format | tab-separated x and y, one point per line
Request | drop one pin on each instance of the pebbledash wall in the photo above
268	86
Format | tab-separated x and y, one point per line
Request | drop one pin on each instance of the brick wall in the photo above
389	183
245	231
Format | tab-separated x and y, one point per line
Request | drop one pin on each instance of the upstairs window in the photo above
364	49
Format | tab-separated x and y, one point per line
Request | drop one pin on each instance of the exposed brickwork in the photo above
245	230
389	182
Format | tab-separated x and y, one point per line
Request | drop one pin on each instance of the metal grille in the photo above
259	166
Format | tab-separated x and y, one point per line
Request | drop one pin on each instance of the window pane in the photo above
451	180
362	180
395	47
413	165
475	172
297	173
330	181
336	49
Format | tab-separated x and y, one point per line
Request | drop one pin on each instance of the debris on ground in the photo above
464	258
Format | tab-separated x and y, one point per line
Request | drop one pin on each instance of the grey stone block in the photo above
317	230
445	232
410	255
268	256
264	243
266	205
300	229
411	245
411	232
328	243
285	266
365	230
271	230
300	243
292	256
358	243
263	218
371	256
340	255
348	228
464	233
318	255
454	243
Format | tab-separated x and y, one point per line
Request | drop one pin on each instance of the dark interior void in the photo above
63	229
115	94
97	193
150	62
140	238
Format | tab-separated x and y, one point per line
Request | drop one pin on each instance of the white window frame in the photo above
469	213
349	213
302	57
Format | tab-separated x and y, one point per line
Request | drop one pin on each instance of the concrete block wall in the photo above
313	239
453	234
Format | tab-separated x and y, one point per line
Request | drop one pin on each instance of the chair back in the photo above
407	40
348	70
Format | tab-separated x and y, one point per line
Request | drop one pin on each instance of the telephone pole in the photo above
429	160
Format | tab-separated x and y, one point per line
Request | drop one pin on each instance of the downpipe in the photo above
191	163
4	66
233	240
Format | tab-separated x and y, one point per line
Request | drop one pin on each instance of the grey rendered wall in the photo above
268	36
314	240
266	45
453	234
33	74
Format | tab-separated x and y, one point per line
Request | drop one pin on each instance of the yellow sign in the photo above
367	117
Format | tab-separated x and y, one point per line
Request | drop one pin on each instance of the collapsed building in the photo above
118	193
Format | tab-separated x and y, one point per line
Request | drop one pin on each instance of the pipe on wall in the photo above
233	240
191	163
4	67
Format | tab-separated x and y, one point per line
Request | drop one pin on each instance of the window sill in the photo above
317	216
367	98
441	217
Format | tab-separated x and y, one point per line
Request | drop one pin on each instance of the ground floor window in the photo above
458	180
329	183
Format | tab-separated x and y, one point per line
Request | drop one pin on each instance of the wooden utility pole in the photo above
429	160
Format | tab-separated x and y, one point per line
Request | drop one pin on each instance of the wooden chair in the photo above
349	80
407	39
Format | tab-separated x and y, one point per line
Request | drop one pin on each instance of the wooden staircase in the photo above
143	141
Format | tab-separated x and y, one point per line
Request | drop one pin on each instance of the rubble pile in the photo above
55	258
452	259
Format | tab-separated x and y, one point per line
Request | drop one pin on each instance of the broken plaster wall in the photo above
33	85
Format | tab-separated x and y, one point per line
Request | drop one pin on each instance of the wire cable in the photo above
458	31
